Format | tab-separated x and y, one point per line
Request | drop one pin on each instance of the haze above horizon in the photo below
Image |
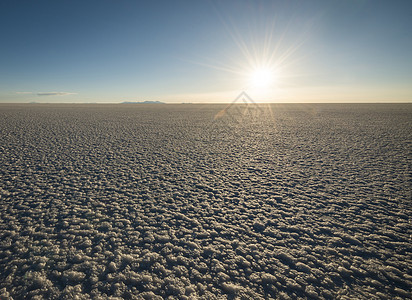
205	51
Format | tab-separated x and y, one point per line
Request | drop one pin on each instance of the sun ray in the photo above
267	58
218	66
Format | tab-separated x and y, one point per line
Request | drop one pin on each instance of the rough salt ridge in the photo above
164	201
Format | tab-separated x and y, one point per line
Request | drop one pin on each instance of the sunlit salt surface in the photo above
157	201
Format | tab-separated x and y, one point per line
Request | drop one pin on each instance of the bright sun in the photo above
262	78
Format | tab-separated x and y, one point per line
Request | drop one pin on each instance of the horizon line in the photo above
209	103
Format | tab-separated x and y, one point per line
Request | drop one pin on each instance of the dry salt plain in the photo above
165	201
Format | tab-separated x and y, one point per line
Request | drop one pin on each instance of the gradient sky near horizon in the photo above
204	51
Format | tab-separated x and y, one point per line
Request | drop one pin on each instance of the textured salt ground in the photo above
157	201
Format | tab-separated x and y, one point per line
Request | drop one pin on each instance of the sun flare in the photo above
262	78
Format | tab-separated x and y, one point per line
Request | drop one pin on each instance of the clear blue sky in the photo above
192	51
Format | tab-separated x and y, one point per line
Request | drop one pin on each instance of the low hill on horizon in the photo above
143	102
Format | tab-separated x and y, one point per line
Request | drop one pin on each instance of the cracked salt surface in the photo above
163	201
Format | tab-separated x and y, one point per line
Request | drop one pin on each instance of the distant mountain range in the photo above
143	102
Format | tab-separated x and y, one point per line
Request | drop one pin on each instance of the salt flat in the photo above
156	201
